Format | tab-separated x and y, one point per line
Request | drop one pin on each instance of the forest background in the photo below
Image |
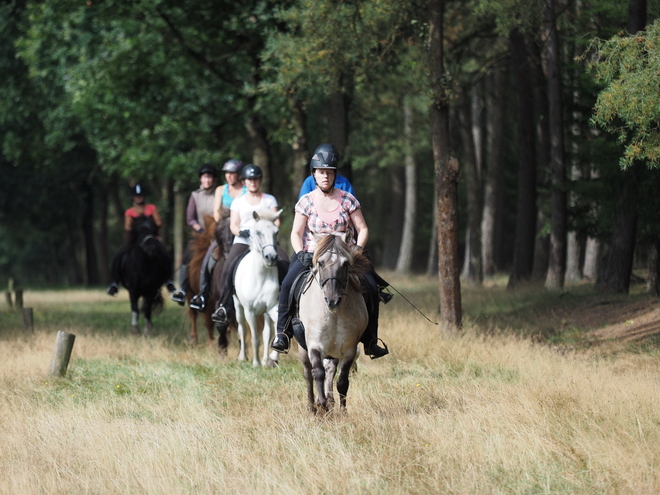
507	135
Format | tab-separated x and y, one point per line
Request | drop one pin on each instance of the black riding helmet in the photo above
251	172
137	190
208	168
326	157
232	166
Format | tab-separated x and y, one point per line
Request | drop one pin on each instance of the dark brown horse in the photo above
199	246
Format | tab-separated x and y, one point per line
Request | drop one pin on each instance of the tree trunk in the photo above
472	261
299	146
523	254
446	178
104	250
652	278
179	224
91	273
338	104
591	259
493	190
557	253
405	258
624	228
260	146
394	227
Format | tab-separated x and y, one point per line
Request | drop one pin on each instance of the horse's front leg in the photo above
307	374
135	312
192	314
240	319
318	374
342	380
330	366
256	323
149	301
271	359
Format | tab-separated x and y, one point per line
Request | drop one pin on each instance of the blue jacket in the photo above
340	183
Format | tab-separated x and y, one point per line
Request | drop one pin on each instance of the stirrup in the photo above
112	289
178	297
220	315
280	345
197	302
385	296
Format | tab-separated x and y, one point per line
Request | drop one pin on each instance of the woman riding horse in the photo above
324	211
139	208
224	196
241	220
200	205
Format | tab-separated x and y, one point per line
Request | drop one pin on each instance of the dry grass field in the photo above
541	393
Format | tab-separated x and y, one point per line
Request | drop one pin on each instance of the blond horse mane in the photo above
358	264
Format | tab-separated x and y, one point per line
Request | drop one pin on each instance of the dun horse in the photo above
144	269
334	314
257	288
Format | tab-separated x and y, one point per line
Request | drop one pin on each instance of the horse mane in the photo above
358	263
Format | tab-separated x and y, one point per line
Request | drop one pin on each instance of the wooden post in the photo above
63	348
28	319
19	298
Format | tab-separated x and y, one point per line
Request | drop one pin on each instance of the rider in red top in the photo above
139	208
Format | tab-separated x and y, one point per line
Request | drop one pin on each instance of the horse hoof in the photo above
193	341
135	330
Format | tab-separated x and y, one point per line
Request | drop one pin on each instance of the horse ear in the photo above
255	215
277	215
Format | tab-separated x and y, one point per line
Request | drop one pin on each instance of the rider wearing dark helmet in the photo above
323	211
224	196
241	221
200	204
139	208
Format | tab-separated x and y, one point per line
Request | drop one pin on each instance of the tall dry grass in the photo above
471	414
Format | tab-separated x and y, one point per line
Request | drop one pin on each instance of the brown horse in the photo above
199	245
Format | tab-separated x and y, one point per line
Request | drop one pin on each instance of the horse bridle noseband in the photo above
343	283
144	241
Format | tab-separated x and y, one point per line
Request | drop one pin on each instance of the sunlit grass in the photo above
484	412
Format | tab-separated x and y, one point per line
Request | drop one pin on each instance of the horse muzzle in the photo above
333	304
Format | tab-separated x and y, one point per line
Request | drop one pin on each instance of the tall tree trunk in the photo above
472	261
104	251
338	105
405	258
260	146
591	259
432	260
652	278
395	217
523	255
493	170
299	146
179	224
446	178
91	273
624	228
557	253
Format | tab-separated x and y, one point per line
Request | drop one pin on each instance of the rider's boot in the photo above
199	301
282	341
179	296
370	336
112	289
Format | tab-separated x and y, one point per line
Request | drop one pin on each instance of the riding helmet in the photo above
251	172
208	168
325	156
232	166
137	190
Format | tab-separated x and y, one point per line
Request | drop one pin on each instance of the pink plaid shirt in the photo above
316	225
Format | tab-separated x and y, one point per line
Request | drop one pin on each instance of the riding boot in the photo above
282	341
179	296
369	337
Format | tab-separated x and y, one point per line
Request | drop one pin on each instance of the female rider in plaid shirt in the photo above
324	211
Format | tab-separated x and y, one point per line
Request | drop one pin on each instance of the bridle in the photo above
343	281
144	240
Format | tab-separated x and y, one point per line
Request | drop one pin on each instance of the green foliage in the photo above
629	105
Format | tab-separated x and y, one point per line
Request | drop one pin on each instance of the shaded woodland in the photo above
481	137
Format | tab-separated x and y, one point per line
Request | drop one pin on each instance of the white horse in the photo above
257	288
334	314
